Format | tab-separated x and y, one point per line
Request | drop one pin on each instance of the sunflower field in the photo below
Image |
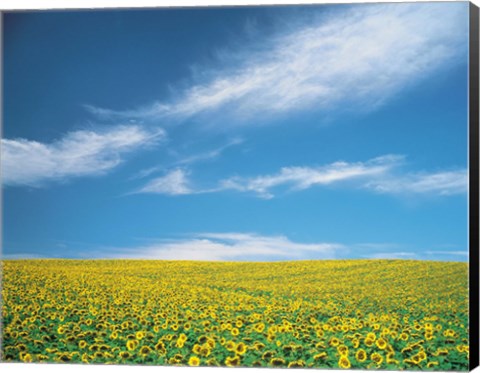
369	314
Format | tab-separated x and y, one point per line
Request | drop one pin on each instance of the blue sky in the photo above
253	133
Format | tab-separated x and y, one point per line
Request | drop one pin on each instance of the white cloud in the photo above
229	247
173	183
209	155
392	255
188	160
78	153
439	183
21	256
358	58
300	178
378	174
439	252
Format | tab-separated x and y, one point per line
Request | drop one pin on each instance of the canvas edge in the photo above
474	185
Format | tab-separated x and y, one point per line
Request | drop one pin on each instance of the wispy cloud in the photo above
188	160
209	155
20	256
78	153
442	252
173	183
229	247
441	183
359	58
380	175
393	255
300	178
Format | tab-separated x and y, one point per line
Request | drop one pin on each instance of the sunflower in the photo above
381	343
205	350
64	357
232	361
230	345
194	361
276	361
321	355
428	336
82	344
27	358
212	362
267	355
210	342
70	338
178	358
410	361
376	358
369	342
296	364
124	354
241	348
145	351
361	355
342	350
132	345
160	348
422	355
94	347
235	332
182	337
334	342
392	361
85	358
260	327
441	351
344	363
448	333
416	359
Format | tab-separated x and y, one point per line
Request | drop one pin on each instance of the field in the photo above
375	314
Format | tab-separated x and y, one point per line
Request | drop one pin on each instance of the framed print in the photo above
288	186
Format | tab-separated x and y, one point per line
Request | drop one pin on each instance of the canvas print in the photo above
261	186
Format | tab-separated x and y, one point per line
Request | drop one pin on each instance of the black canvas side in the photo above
474	187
